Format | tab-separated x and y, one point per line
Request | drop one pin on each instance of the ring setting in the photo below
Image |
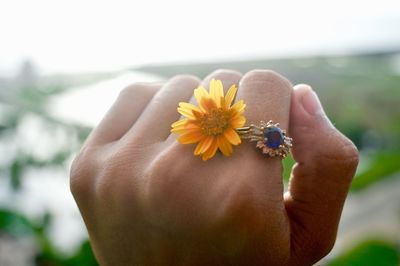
270	138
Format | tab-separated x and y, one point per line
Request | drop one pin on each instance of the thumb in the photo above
326	162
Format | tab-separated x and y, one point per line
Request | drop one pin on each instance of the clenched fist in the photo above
147	200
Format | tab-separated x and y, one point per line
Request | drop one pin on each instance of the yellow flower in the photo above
211	124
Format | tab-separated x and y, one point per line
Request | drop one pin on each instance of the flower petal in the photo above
224	146
179	123
216	91
232	136
200	93
207	104
186	112
179	130
238	121
203	145
213	107
186	129
189	106
210	152
239	106
190	137
230	95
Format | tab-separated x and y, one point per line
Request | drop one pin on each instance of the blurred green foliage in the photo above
361	95
382	165
288	163
16	225
369	253
15	105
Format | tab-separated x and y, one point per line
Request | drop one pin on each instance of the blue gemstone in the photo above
274	137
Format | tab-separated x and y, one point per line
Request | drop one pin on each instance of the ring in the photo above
217	123
271	139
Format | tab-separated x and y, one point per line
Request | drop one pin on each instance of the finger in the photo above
326	162
155	123
267	97
228	78
123	113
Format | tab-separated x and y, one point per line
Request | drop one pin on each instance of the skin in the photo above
146	200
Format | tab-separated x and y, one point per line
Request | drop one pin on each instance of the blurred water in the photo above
87	105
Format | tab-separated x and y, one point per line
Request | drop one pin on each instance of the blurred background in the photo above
62	64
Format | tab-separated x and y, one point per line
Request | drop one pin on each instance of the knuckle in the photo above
81	173
225	74
227	71
184	78
137	88
351	153
312	247
272	78
131	89
180	84
322	246
340	154
342	149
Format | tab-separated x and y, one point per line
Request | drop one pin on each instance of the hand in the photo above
146	200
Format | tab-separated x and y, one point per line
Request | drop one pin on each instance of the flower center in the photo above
215	122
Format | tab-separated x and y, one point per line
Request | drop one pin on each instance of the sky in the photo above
75	36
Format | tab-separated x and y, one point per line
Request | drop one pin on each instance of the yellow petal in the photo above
187	127
185	130
200	93
232	136
198	115
186	112
210	152
207	104
224	146
230	95
180	130
235	115
203	145
216	91
239	106
189	106
222	103
191	137
238	121
179	123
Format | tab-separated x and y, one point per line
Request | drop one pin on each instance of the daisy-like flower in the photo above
212	123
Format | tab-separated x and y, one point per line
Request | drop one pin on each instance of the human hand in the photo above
146	200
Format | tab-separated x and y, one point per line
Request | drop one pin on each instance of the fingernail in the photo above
311	103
